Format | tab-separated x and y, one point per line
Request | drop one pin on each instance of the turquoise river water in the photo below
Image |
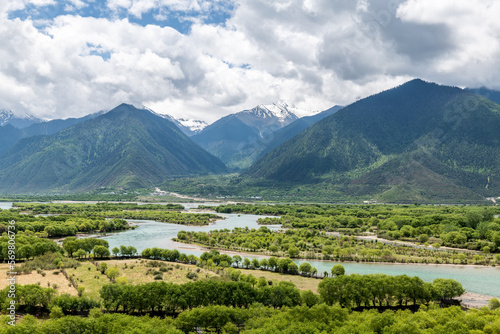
477	279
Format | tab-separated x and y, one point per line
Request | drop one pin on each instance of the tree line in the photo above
258	319
346	291
378	290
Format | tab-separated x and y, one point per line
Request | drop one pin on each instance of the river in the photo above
5	205
477	279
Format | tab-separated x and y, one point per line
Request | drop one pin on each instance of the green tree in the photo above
80	253
493	304
236	259
305	268
56	312
423	238
112	273
309	298
293	252
261	282
338	270
447	288
70	245
100	251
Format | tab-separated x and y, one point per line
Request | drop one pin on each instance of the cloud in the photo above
474	32
310	53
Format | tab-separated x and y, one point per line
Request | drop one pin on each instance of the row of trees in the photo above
89	209
60	226
214	258
377	290
166	216
83	247
27	246
160	296
260	320
314	244
347	291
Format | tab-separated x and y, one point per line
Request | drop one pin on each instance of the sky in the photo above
204	59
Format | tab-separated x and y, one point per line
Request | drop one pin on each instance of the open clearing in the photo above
58	281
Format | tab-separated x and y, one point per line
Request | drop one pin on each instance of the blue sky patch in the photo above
160	16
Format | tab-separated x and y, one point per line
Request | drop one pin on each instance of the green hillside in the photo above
419	141
125	148
9	135
291	130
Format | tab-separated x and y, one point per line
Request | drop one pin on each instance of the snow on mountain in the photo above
8	117
280	110
5	115
193	124
190	127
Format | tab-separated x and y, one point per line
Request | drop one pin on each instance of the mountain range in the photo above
13	128
123	148
10	134
239	139
55	155
8	117
418	142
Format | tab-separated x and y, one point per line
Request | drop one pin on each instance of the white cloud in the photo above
474	30
311	53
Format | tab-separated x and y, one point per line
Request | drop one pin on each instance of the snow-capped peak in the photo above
188	126
8	117
194	125
279	110
5	115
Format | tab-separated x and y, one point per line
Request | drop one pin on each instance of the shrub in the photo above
191	275
494	304
56	312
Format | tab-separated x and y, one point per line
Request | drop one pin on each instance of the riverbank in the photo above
474	278
474	300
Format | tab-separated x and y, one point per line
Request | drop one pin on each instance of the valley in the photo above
278	214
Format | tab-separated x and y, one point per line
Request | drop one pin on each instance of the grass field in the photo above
134	271
59	282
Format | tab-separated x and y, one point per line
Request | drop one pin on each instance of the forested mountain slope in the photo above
418	141
126	147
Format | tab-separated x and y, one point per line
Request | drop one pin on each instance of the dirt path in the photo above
410	244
